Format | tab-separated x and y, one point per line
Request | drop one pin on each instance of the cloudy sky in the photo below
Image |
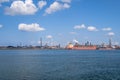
59	21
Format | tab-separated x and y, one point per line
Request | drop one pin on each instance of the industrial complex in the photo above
70	46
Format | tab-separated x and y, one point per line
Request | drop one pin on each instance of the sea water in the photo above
59	65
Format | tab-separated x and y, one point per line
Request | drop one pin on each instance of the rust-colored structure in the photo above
81	47
84	47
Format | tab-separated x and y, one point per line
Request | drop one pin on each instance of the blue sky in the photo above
59	21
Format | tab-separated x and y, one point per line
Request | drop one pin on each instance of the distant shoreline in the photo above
29	49
49	49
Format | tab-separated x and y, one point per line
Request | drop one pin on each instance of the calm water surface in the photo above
59	65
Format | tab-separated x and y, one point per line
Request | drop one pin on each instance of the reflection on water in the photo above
59	65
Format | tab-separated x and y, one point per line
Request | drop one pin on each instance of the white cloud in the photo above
41	4
66	1
56	6
92	28
18	7
49	37
30	27
75	41
89	28
107	29
111	34
65	5
1	26
79	26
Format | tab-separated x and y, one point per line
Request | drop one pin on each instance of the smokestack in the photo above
110	42
40	42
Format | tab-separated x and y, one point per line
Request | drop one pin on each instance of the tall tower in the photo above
110	42
40	42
